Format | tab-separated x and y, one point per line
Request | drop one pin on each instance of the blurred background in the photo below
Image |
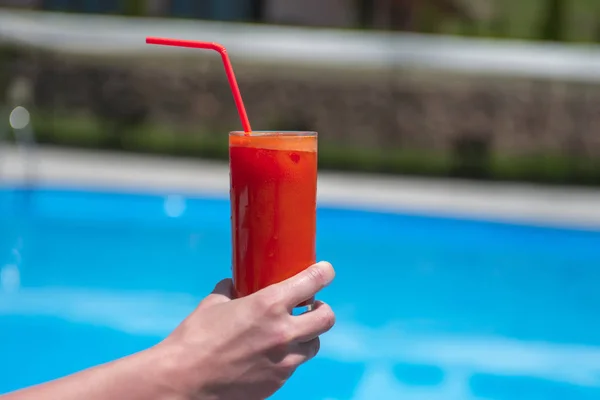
385	97
460	157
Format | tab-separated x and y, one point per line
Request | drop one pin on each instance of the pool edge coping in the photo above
503	202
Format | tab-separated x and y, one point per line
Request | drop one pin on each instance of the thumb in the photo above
222	293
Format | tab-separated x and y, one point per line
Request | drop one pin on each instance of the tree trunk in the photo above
553	24
365	13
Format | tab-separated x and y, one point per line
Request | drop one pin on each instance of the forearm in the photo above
143	376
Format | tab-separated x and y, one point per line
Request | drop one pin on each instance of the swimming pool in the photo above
428	308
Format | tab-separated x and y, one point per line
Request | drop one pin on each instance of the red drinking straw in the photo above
237	96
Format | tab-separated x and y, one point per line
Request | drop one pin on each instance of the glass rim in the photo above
275	133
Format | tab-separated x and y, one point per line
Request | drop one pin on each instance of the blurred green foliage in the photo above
554	20
134	7
86	132
7	57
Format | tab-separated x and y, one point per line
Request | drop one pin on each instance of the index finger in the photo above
306	284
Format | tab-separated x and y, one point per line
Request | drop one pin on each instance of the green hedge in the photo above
555	20
84	132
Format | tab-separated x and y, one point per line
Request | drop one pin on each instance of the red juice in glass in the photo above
273	206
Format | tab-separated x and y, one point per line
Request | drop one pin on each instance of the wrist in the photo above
165	374
178	374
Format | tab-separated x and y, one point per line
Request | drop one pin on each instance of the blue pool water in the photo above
428	308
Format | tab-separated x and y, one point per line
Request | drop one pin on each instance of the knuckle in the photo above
315	348
316	274
282	335
288	366
327	318
267	301
322	273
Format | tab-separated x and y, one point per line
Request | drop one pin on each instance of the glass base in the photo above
303	309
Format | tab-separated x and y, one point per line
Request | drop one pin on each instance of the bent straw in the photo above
235	90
